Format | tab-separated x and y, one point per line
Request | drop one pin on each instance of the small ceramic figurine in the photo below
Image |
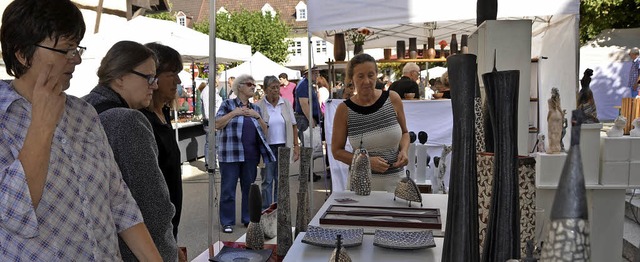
618	127
439	186
554	119
635	132
586	103
408	190
540	144
564	129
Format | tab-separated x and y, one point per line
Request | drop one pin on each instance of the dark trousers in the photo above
230	172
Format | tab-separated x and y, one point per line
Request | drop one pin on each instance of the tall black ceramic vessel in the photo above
285	239
461	237
503	231
486	10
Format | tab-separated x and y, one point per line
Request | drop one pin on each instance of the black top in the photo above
405	85
365	110
168	160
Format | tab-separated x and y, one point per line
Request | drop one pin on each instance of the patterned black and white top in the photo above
378	128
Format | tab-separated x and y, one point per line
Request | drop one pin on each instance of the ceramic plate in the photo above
326	237
404	239
232	254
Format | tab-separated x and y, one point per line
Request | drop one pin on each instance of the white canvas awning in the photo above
260	66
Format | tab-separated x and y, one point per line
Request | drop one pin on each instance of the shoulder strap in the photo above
106	105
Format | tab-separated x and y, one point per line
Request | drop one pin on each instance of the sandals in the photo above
227	229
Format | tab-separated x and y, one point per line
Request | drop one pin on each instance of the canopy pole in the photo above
310	86
211	161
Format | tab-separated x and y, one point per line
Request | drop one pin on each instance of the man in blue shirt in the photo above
303	118
634	73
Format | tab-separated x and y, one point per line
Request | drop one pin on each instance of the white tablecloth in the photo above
432	116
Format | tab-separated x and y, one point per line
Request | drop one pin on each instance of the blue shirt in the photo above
635	71
85	201
302	90
229	138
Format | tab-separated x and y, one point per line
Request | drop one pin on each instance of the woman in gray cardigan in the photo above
127	79
278	114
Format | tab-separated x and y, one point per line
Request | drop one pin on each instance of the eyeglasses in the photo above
249	84
68	53
151	79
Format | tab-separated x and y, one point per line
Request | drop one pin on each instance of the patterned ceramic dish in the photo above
404	239
326	237
231	254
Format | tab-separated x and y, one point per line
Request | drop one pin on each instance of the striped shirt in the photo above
85	202
229	138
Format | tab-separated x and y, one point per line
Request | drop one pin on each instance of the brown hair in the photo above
123	57
357	60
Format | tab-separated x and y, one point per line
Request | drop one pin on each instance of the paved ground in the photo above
193	232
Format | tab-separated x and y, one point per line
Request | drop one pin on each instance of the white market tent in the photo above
191	44
608	56
554	32
260	66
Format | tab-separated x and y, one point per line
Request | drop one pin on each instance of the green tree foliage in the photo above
162	16
597	15
263	33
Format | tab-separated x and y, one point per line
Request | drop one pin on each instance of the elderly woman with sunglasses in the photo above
278	113
241	142
127	80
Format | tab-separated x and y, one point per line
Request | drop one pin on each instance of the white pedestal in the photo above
634	174
616	149
635	149
590	151
615	174
549	168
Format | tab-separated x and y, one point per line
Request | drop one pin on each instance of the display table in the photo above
366	252
432	116
383	199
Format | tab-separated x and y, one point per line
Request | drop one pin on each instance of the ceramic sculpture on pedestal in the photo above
420	174
461	237
554	120
438	186
564	129
635	132
586	103
540	144
255	234
408	190
284	240
503	229
360	172
411	153
339	254
568	238
486	10
302	212
618	127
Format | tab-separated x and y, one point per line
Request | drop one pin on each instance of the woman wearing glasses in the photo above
127	80
241	142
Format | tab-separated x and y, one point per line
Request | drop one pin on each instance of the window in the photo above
267	8
301	11
321	46
181	18
295	48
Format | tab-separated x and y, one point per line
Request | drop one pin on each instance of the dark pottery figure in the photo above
423	137
255	233
568	238
503	230
400	49
486	10
431	51
413	44
412	137
358	49
453	45
564	130
585	102
285	239
464	43
461	236
339	47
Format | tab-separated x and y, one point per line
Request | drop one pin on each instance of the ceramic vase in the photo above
302	211
387	53
339	47
453	45
431	51
486	10
413	44
568	237
502	241
461	236
527	196
285	239
357	48
400	49
464	44
255	233
360	172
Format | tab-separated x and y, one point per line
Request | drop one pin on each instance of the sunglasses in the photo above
151	79
249	84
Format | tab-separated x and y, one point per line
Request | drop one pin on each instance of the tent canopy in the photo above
260	66
400	20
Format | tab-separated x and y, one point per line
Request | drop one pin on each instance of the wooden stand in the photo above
630	110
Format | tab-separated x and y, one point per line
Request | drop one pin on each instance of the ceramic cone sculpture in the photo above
568	238
503	230
255	234
461	236
284	207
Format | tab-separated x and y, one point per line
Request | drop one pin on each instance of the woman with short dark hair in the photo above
127	80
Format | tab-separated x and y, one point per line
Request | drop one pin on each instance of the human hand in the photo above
239	111
403	159
378	164
182	256
48	99
296	153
